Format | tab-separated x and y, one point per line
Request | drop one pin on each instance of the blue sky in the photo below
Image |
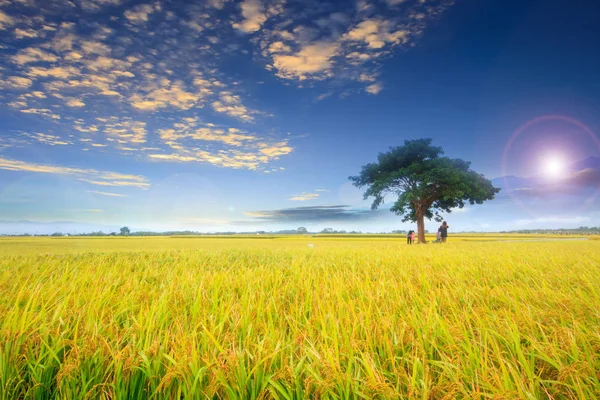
242	115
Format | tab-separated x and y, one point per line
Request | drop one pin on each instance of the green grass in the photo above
164	318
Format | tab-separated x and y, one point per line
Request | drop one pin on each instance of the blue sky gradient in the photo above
223	115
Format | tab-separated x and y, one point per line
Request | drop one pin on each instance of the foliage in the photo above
424	183
125	231
166	318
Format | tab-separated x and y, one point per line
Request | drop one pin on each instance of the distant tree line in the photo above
582	230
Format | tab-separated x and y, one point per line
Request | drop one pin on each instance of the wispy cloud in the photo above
139	14
314	214
305	197
92	77
51	140
107	193
102	178
93	74
345	44
189	138
5	21
374	88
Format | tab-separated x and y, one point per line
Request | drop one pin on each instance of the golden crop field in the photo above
302	317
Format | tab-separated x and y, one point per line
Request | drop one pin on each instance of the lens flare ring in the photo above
585	204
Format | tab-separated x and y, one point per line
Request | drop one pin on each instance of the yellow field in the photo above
245	318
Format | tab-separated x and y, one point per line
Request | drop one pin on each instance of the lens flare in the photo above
554	166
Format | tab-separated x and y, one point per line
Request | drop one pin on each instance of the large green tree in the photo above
424	183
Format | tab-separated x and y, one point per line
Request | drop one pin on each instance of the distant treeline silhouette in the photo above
582	230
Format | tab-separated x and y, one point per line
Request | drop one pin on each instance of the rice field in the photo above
299	317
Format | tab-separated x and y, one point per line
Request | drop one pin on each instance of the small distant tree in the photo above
424	183
125	231
302	230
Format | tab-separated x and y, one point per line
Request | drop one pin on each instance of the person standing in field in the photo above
443	231
409	237
412	237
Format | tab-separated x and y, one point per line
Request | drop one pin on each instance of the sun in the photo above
554	166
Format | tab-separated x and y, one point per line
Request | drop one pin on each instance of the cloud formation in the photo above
109	75
575	183
254	16
305	197
314	214
139	14
51	140
304	43
107	193
191	140
105	78
95	177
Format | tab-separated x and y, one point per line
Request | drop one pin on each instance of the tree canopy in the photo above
424	183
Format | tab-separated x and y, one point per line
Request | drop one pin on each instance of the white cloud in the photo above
94	47
5	20
25	33
75	103
45	112
139	14
374	88
54	72
254	15
231	105
107	193
343	46
51	140
126	131
19	82
377	33
218	4
313	60
103	178
33	54
237	149
169	94
63	41
305	197
367	78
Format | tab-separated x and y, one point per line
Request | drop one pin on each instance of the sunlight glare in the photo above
554	166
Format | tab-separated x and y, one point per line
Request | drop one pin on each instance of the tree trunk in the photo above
421	228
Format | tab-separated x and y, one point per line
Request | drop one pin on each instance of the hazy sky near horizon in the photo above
242	115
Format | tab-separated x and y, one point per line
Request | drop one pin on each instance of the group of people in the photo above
441	236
